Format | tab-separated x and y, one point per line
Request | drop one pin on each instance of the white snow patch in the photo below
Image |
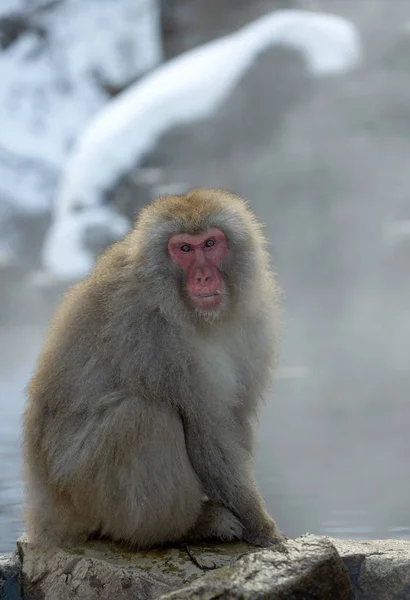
64	251
187	88
51	86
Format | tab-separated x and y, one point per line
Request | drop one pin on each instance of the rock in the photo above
188	24
378	569
310	568
206	152
44	103
10	569
106	571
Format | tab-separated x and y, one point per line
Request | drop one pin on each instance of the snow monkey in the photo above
140	414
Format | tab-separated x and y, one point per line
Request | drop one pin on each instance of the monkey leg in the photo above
215	521
51	519
124	471
155	492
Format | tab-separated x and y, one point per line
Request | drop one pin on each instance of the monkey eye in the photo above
209	243
186	248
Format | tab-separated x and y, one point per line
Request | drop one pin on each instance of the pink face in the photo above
199	256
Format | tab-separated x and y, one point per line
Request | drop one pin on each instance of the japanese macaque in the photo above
140	414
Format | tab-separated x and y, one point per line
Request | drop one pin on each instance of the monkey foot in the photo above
278	541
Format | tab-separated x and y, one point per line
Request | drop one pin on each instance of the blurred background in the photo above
302	107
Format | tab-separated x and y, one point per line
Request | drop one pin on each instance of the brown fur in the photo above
141	406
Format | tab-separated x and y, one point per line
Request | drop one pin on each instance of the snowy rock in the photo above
180	92
57	63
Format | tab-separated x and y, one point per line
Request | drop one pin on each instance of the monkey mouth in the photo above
207	301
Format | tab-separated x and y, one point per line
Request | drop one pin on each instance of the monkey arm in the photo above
218	442
224	468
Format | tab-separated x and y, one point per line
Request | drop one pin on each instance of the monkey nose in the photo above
203	279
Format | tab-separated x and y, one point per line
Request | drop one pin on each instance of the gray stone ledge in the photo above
309	568
318	568
10	577
378	569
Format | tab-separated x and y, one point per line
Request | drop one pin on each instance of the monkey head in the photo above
201	253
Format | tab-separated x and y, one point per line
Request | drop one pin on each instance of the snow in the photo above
63	246
51	85
187	88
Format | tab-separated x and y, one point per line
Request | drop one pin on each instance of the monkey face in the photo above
200	256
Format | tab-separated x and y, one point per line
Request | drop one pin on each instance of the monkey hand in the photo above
268	535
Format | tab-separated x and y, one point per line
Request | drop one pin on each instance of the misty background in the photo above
104	106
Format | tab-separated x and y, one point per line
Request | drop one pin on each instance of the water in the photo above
23	321
325	165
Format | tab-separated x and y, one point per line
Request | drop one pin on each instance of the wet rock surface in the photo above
10	576
379	570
